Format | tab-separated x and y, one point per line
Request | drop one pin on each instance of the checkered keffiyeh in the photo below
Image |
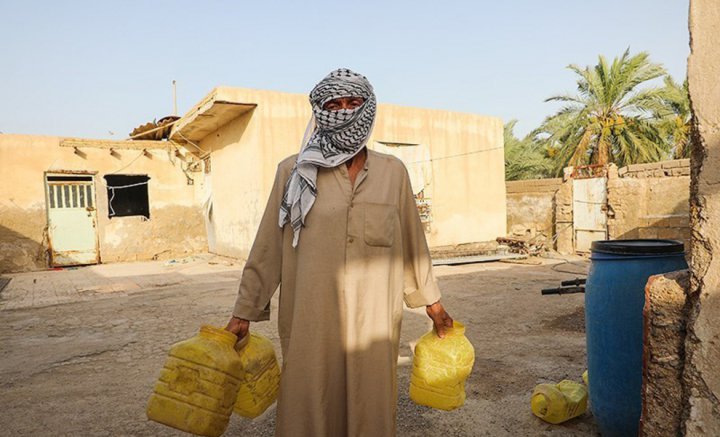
336	137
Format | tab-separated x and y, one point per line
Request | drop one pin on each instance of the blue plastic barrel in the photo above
614	300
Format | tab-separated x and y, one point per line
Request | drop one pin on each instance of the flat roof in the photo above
215	110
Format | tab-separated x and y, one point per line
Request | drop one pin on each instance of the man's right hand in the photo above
238	326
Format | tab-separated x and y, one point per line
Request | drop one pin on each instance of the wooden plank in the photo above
475	259
81	143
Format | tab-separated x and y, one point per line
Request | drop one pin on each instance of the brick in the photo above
647	233
671	164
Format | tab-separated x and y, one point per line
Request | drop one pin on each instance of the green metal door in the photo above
72	219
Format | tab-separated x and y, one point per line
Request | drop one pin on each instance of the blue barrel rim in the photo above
638	247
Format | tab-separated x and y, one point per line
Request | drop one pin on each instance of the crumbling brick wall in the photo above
664	319
702	346
650	201
531	206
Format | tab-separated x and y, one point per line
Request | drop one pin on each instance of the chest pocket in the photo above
380	224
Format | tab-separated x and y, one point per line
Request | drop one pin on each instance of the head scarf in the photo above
332	137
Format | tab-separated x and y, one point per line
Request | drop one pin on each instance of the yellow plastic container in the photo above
199	383
585	378
260	381
440	368
557	403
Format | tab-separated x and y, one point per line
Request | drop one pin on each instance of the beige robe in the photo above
362	252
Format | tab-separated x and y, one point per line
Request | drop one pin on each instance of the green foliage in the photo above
675	117
609	119
524	159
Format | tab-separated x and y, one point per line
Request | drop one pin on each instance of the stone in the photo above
664	320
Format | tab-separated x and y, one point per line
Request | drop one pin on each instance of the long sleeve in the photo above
420	286
262	271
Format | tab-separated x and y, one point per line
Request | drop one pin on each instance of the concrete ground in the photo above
80	349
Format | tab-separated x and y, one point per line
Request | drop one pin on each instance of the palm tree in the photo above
609	119
524	159
675	117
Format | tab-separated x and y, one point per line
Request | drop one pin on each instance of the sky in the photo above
97	69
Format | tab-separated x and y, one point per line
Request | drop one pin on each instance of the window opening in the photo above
128	195
69	178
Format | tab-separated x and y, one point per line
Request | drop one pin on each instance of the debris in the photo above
154	130
526	244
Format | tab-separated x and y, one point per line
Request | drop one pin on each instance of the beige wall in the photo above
649	201
531	205
702	373
468	190
176	225
644	201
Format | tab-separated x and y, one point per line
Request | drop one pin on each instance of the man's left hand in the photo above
441	319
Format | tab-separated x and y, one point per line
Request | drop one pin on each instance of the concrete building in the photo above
68	201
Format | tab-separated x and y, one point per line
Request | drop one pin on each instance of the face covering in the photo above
332	138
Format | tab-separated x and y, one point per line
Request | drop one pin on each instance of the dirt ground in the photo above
80	349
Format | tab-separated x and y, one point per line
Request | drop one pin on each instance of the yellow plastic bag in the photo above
440	368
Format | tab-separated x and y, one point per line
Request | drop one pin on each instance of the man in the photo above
342	237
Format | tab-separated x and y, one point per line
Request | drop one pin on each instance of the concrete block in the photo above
664	322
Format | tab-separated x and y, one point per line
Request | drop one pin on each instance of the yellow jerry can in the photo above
440	368
199	384
260	381
557	403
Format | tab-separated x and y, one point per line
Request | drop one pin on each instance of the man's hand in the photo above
441	319
238	326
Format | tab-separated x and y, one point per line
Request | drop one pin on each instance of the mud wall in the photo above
175	228
702	374
664	330
649	201
531	205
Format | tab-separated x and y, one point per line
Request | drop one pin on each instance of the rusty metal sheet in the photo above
589	211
